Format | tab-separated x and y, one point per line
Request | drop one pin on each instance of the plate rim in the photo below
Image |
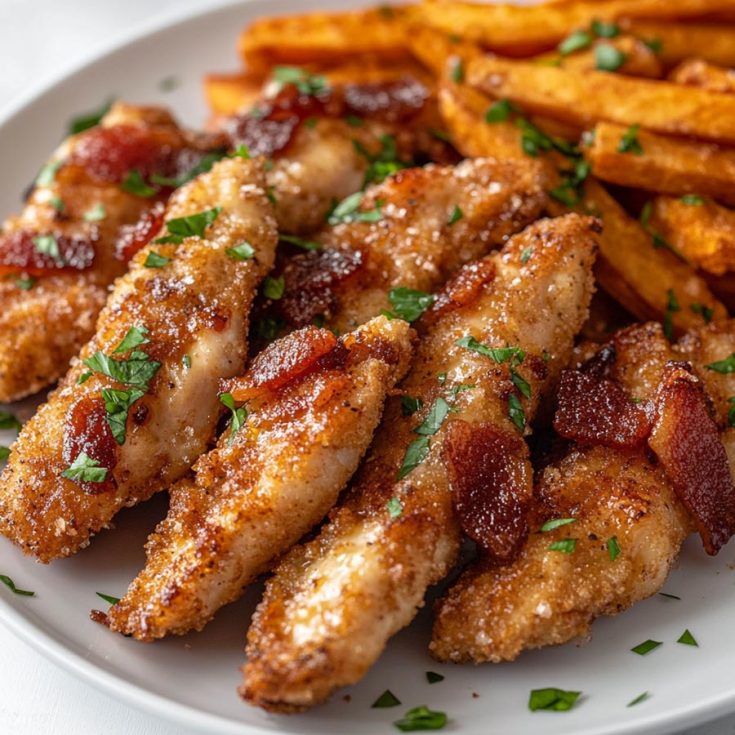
140	698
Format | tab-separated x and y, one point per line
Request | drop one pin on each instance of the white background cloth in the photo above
40	39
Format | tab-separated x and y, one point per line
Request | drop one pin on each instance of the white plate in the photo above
192	680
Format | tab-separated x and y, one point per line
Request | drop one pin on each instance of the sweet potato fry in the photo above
700	73
663	164
585	97
640	59
702	231
325	37
228	94
678	41
521	30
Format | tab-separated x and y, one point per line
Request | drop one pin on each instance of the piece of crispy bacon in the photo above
593	409
132	238
686	441
461	290
491	483
20	252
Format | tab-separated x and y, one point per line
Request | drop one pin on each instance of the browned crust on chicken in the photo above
196	305
334	602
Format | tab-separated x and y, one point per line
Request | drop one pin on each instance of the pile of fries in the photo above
623	93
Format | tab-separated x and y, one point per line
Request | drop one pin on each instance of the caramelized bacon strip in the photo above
686	441
491	485
596	410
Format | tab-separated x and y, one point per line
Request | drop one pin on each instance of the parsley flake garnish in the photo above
238	414
705	312
687	639
457	72
605	30
613	548
526	254
108	598
731	411
516	413
4	453
137	370
640	698
89	120
47	245
574	42
408	303
409	405
724	367
243	251
421	718
569	191
155	260
498	354
194	225
629	142
434	419
96	214
274	288
394	507
433	678
134	183
25	283
354	121
416	452
381	164
456	216
669	596
85	469
117	406
348	211
9	421
300	242
672	306
655	44
58	204
646	647
47	174
500	111
555	523
692	199
565	545
8	582
306	83
608	58
552	699
386	699
186	361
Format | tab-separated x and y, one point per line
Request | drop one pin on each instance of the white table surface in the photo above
41	38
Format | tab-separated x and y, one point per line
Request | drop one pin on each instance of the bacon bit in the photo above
283	361
97	616
462	290
595	410
86	430
491	483
313	282
19	254
272	127
686	441
132	238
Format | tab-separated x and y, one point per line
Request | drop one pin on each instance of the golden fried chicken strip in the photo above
547	597
265	486
135	412
78	201
333	603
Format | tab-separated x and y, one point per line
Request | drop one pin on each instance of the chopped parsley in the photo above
8	582
421	718
85	469
243	251
434	419
311	122
408	303
655	44
89	120
731	411
96	213
456	216
238	414
47	175
526	254
134	337
47	245
569	191
25	283
4	453
687	639
520	382
672	306
354	121
348	211
705	312
386	699
457	72
605	30
155	260
640	698
9	421
669	596
108	598
194	225
613	548
500	111
555	523
725	367
395	508
629	142
381	164
416	452
300	242
433	678
57	204
136	370
306	83
608	58
134	183
565	545
117	406
552	699
692	199
274	288
646	647
186	361
409	405
574	42
516	413
498	354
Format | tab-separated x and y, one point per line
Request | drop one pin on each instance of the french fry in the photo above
679	41
702	231
434	49
640	60
667	165
586	97
325	37
522	30
228	94
700	73
638	275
